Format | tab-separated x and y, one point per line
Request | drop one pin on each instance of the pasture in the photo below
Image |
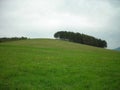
49	64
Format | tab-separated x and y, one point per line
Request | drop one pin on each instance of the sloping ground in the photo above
47	64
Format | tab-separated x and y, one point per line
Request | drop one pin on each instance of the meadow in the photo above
50	64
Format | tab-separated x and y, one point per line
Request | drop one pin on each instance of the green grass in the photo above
47	64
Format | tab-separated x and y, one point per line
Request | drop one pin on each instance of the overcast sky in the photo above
42	18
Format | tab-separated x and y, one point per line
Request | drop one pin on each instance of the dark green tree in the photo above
80	38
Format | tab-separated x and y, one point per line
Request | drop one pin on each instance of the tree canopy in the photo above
4	39
80	38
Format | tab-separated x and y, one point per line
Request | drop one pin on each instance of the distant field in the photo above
48	64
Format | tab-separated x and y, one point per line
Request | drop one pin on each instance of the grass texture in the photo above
48	64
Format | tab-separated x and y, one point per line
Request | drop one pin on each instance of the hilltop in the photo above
51	64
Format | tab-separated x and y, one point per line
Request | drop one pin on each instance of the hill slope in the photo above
46	64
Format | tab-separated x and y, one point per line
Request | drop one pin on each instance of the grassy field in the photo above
47	64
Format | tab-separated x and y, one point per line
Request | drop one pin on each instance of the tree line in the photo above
4	39
80	38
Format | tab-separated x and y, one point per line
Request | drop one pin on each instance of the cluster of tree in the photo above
80	38
4	39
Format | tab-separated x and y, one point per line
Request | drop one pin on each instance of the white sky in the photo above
42	18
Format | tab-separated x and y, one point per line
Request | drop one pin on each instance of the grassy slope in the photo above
45	64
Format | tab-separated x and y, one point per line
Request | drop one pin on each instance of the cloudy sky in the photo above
42	18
